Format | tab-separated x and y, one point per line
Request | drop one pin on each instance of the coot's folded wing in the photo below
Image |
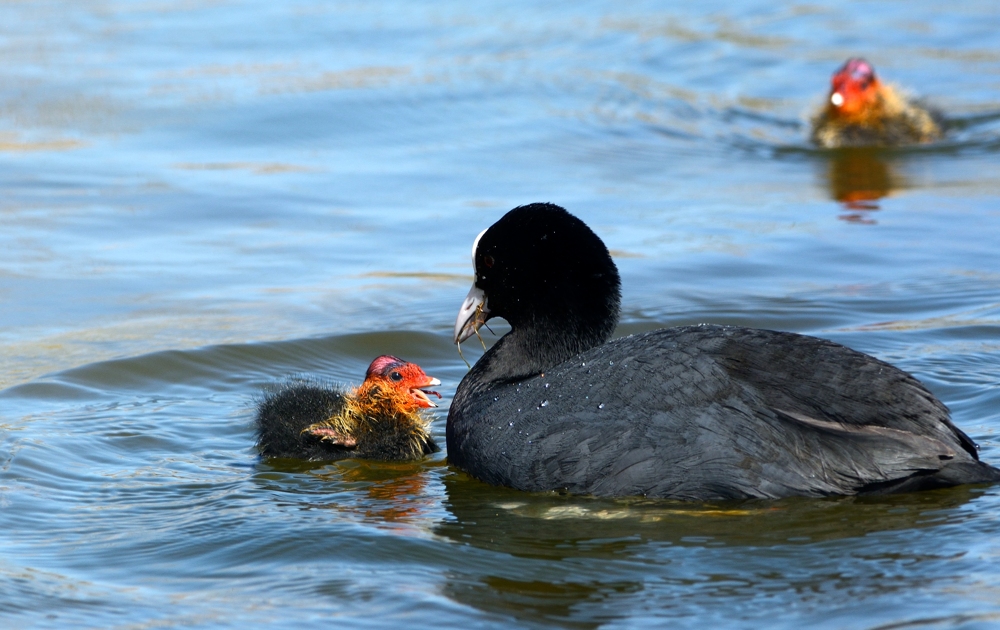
685	413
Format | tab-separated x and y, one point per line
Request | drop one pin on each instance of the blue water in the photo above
201	199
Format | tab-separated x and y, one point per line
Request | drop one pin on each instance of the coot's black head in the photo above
543	270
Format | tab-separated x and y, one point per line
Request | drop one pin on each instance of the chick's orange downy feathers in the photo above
380	419
861	111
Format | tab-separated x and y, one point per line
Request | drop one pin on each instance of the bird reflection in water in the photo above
556	560
858	178
391	495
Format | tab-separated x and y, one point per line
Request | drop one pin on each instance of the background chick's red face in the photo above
853	87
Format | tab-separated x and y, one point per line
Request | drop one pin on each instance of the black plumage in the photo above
695	412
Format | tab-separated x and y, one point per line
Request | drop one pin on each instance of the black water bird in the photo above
695	412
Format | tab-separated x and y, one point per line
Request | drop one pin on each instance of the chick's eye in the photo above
396	376
488	261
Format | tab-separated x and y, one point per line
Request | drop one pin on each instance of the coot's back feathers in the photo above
699	412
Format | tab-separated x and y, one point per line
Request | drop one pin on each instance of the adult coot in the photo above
862	111
695	412
380	419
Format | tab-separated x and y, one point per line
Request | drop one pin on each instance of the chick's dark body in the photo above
284	416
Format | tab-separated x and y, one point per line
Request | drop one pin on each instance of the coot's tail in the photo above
960	473
953	474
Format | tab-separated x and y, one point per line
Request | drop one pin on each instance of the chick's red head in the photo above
854	87
404	377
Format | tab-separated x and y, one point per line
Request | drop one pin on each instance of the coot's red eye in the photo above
488	261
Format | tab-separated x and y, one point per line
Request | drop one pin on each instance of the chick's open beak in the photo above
472	315
422	398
